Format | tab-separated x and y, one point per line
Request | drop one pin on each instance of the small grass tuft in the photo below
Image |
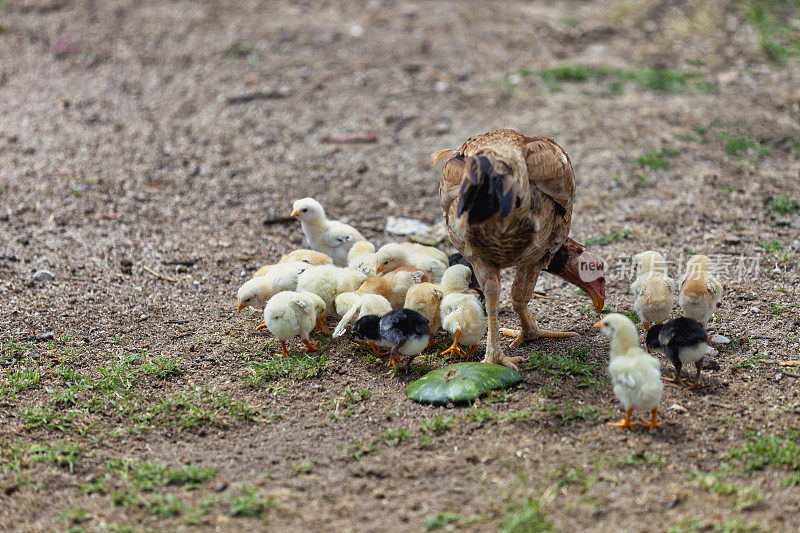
784	204
524	516
249	503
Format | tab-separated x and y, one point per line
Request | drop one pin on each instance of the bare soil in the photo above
145	146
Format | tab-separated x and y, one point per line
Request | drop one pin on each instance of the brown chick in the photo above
700	290
507	201
304	255
394	285
425	299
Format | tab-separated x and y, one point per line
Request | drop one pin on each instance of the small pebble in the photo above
48	336
709	363
43	275
719	339
677	408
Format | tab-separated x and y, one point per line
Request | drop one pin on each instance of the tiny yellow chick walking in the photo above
636	375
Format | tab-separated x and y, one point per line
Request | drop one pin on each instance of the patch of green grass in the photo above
358	449
343	404
300	469
236	49
662	79
481	414
737	525
776	308
572	363
296	367
439	424
739	146
755	360
743	497
687	525
163	367
657	160
73	516
48	417
633	315
524	516
569	411
147	476
771	246
771	18
583	478
614	236
573	73
441	520
640	458
249	503
14	455
393	437
24	375
765	451
784	204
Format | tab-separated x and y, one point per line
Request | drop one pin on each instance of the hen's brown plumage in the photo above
507	200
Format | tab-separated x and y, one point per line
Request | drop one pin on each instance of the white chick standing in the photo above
393	255
461	312
330	237
653	289
352	306
636	375
291	314
281	277
362	257
700	290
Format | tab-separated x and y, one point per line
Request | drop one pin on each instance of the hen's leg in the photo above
521	293
489	278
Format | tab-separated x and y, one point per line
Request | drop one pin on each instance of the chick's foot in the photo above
652	424
309	347
393	360
321	326
454	348
285	351
625	423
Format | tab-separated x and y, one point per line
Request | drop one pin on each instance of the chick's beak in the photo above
295	213
598	325
379	270
240	306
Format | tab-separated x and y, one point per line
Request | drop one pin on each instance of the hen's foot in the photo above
695	385
533	333
495	355
470	352
676	380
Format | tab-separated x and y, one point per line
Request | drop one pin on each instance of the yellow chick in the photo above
362	257
282	277
394	285
393	255
352	306
306	256
460	311
426	298
328	281
291	314
330	237
700	291
417	248
635	374
653	289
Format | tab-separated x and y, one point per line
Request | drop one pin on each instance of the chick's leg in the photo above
321	326
309	346
697	385
489	278
652	424
625	422
393	360
677	378
375	350
285	351
521	293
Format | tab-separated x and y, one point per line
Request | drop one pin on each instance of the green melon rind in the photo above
473	381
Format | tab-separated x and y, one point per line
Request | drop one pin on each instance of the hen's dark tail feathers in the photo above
484	192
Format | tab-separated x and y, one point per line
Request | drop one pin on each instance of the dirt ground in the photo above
145	146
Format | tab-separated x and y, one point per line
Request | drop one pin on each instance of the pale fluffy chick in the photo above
328	281
362	257
306	256
417	248
393	255
635	374
394	285
352	306
461	312
330	237
426	298
291	314
281	277
700	290
653	289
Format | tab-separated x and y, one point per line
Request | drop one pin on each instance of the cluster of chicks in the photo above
636	375
395	297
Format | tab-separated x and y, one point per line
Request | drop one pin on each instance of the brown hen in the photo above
507	200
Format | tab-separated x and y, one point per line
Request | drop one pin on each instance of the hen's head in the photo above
574	263
307	209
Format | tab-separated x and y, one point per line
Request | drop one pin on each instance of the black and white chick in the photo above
683	341
368	329
458	259
406	332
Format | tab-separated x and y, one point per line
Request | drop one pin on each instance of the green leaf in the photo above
461	382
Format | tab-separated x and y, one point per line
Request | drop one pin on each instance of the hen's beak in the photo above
598	297
295	213
597	324
240	306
